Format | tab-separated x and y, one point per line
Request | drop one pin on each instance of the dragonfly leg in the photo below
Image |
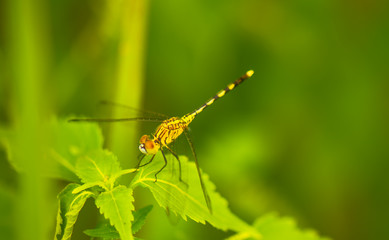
151	159
179	165
164	158
140	158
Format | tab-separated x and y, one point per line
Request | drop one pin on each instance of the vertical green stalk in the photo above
130	74
27	42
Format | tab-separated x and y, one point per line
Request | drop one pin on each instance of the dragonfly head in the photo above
148	146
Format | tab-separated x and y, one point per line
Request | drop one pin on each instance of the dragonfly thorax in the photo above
148	146
170	130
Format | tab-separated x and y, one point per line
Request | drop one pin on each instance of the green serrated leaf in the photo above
70	141
187	200
66	143
97	166
116	205
108	231
273	227
69	207
104	231
140	218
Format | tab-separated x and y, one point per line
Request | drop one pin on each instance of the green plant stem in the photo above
27	41
129	85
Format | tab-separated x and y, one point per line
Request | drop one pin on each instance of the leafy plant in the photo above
77	153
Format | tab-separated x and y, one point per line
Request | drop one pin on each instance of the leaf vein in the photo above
117	211
97	168
175	186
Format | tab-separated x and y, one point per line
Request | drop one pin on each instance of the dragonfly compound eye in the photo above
143	139
149	145
142	148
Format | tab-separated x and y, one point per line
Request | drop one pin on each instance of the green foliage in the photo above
77	149
273	227
69	207
97	166
116	205
140	218
108	231
105	231
67	143
187	200
71	141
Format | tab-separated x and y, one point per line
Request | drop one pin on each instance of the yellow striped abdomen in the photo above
172	128
221	93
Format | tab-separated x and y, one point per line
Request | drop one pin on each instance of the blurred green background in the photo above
306	136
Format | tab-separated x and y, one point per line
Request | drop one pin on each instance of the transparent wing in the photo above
144	112
141	119
145	116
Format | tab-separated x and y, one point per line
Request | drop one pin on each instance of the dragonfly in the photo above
169	130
